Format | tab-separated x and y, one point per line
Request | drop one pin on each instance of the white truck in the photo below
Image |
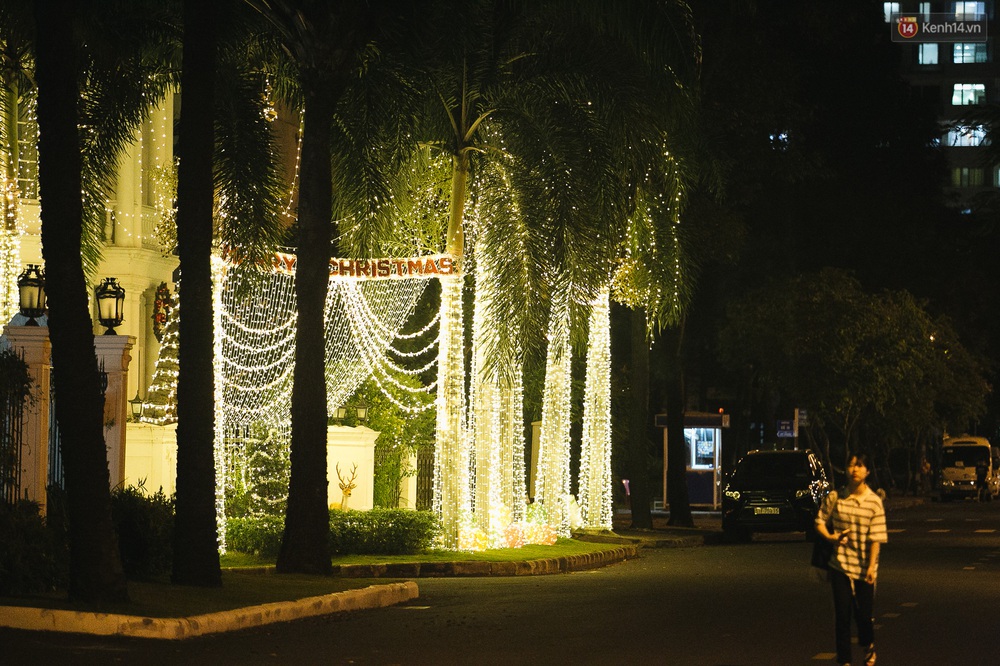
969	468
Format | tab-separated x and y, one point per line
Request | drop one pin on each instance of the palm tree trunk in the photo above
677	455
552	483
640	493
305	545
196	550
451	454
95	565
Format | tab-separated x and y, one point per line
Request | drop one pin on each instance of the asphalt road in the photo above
722	605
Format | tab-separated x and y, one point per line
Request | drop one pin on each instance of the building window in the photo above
966	136
966	177
969	11
927	54
968	93
970	52
890	8
925	10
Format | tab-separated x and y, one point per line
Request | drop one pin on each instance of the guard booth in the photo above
703	440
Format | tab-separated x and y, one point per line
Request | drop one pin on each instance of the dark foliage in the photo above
33	557
145	527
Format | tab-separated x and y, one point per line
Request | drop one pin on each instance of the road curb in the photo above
373	596
478	568
107	624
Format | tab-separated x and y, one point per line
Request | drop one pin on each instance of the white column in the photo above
113	355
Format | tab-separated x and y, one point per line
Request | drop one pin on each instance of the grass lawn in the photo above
242	588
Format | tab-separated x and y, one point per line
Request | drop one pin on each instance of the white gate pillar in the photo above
113	356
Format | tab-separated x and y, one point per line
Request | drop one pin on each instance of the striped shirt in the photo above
864	518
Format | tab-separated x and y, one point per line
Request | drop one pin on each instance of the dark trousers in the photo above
860	603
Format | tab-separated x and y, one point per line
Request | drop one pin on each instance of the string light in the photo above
595	457
451	460
552	488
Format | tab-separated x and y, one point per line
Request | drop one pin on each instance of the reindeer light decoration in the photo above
348	486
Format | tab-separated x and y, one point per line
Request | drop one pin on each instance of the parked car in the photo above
773	491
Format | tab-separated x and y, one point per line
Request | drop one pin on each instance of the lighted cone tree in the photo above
160	406
595	457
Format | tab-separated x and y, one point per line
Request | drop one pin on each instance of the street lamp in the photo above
110	304
341	415
362	411
31	294
136	405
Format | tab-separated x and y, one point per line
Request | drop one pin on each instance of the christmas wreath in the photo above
161	310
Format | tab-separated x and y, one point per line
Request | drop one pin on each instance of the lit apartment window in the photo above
927	54
890	8
966	177
967	136
968	93
968	11
925	10
969	52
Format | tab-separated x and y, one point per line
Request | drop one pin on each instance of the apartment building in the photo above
955	69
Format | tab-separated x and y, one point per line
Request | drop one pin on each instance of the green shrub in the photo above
256	535
145	526
382	531
31	560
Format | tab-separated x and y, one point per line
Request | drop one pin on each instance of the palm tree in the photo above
95	566
569	102
227	146
196	553
329	45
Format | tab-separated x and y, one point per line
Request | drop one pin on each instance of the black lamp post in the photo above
110	304
31	293
340	415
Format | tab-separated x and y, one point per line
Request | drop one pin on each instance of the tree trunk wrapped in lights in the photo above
595	457
451	456
495	425
552	482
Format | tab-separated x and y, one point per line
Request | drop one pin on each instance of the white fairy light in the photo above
595	457
451	459
552	482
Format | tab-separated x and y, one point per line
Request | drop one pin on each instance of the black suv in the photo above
773	491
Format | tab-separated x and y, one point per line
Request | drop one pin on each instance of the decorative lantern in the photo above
136	406
362	411
110	304
31	293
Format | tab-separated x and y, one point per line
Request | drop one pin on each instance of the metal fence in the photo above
425	478
12	406
56	477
